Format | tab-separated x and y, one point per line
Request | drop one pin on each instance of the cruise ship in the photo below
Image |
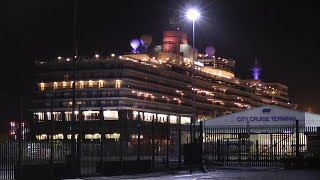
166	83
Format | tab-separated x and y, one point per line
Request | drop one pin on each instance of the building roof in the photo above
266	116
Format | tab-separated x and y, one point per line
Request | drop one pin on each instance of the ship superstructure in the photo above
159	83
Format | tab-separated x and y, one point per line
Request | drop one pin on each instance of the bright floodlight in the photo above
193	14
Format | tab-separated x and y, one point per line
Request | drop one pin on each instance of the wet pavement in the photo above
224	174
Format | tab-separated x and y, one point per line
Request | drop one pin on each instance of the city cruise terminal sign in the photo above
259	117
267	118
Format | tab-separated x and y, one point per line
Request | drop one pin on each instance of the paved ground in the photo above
224	174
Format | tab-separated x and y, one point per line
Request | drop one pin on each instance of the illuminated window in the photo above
71	84
135	115
58	136
162	118
68	115
57	116
55	85
75	136
135	136
90	83
185	120
42	86
38	116
49	116
173	119
41	137
100	84
110	115
92	136
64	84
118	84
91	115
114	136
81	85
148	116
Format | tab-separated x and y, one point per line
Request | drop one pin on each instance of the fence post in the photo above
153	145
239	147
19	162
297	140
101	138
51	141
138	128
257	150
71	160
179	134
201	142
271	147
168	137
79	140
218	149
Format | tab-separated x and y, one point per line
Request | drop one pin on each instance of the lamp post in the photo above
193	15
75	158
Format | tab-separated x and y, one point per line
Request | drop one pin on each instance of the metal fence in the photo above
157	147
253	146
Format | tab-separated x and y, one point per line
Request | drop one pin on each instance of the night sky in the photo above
283	36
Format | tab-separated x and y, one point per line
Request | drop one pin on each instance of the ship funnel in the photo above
146	40
210	50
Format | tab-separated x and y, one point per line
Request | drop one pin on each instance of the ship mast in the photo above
256	70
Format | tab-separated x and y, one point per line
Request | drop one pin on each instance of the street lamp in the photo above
193	14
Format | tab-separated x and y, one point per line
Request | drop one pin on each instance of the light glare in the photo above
193	14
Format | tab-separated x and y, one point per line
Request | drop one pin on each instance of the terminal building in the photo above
261	118
271	130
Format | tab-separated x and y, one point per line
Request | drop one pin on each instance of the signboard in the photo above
260	117
266	118
198	63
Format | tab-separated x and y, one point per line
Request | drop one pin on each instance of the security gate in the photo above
244	146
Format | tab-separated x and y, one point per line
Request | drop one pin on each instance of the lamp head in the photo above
193	14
